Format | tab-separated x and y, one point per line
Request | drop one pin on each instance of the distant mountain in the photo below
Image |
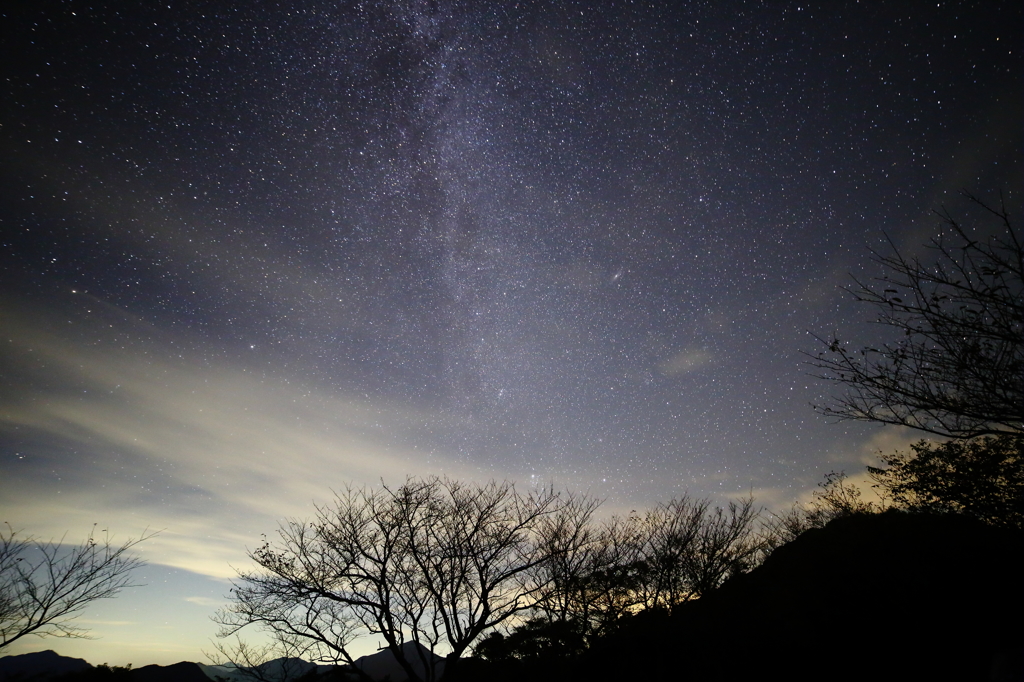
383	664
45	666
179	672
278	669
380	666
40	665
227	673
48	665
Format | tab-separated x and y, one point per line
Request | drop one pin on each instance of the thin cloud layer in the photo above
209	456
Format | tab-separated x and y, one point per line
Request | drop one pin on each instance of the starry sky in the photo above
252	254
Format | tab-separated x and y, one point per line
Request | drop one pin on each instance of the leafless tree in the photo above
593	578
575	549
958	368
725	545
280	660
44	586
672	553
834	498
434	561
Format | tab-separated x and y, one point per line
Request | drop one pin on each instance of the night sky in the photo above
251	255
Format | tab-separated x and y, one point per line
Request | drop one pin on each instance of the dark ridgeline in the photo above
178	672
48	665
39	665
891	596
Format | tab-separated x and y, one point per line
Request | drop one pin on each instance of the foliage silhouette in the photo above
538	638
982	477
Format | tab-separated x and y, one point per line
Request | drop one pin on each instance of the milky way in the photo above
253	254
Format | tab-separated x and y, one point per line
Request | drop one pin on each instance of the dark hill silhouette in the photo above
47	666
178	672
38	666
384	666
891	596
283	668
874	596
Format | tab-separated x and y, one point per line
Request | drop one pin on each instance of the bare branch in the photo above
958	368
281	660
44	586
434	562
674	552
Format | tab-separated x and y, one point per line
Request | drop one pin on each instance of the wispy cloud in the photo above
211	456
686	361
205	601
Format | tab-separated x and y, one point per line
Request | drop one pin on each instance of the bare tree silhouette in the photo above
958	368
434	562
44	586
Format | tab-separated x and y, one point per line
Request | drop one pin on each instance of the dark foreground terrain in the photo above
891	596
